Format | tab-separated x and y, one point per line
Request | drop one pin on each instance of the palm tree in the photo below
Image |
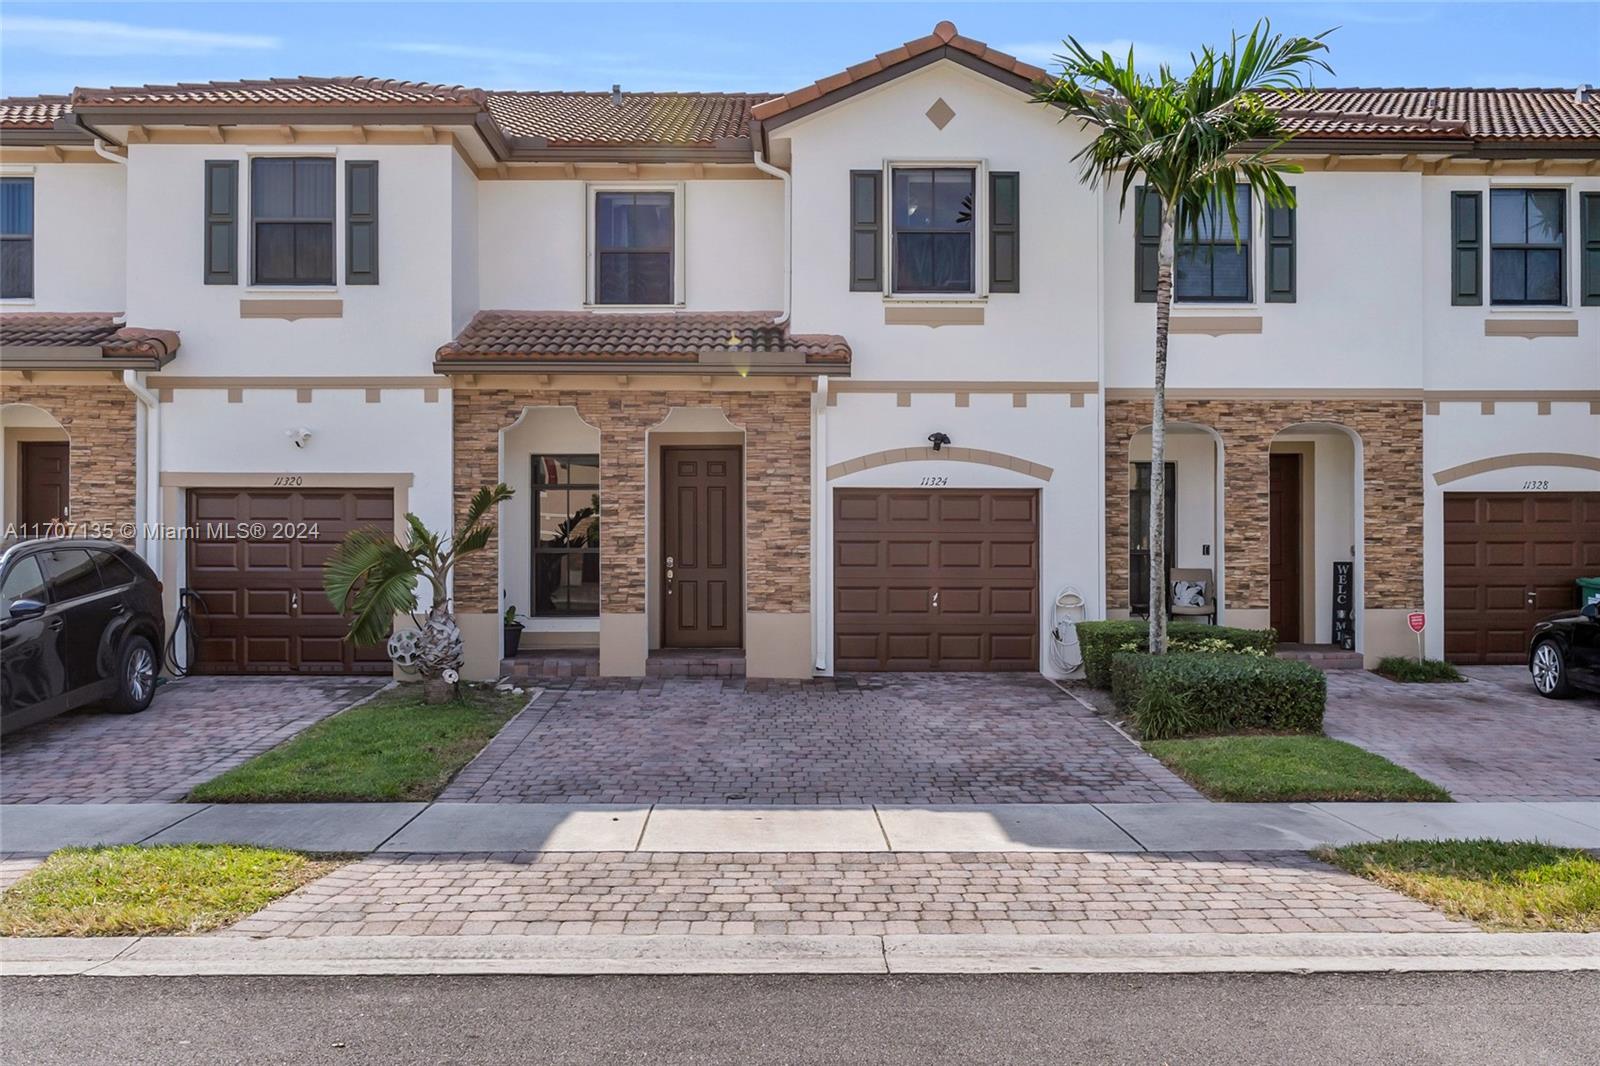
371	577
1191	141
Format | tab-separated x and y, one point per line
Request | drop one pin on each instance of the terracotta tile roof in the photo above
285	92
592	120
944	35
678	337
1481	114
32	112
35	329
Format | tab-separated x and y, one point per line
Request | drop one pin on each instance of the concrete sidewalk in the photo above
441	828
1148	953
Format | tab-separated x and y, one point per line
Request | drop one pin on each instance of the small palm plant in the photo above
371	577
1191	140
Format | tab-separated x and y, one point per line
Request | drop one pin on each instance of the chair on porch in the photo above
1192	603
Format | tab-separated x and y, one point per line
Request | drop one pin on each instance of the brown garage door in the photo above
941	580
265	611
1509	560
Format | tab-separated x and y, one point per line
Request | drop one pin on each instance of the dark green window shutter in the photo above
361	222
1005	231
1466	248
866	231
1146	244
222	222
1280	254
1589	249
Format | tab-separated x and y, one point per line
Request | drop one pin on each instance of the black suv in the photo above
1564	653
80	624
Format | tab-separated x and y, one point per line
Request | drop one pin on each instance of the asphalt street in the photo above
396	1021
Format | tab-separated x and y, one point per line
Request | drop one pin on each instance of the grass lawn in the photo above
170	888
1284	769
1517	886
395	747
1402	668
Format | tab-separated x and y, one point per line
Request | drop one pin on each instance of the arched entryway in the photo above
1195	507
37	485
1314	534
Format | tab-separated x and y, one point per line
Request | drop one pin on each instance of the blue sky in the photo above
764	47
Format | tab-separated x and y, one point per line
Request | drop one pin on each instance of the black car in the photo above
80	624
1564	653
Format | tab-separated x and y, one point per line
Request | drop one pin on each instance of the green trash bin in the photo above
1588	590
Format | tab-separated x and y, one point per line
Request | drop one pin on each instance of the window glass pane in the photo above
274	252
652	220
313	188
611	278
1191	272
16	268
1506	276
913	262
566	583
1544	216
272	188
913	199
16	206
952	199
633	220
114	573
650	277
24	581
1508	219
71	573
952	262
1543	276
1230	272
566	469
313	251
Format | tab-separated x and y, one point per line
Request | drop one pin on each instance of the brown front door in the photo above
1283	538
256	558
42	490
1511	559
702	520
940	580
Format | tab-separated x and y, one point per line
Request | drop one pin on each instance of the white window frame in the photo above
13	170
1256	267
679	230
980	229
1571	247
247	212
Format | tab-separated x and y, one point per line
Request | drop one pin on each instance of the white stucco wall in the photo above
79	236
392	328
464	213
533	250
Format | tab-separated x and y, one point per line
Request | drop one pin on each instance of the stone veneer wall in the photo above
1391	449
101	422
777	473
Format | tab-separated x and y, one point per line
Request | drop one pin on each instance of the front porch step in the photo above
713	662
1324	657
551	665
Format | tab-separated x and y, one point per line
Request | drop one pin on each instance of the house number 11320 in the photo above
936	481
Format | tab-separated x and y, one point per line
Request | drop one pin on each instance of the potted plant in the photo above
513	631
372	577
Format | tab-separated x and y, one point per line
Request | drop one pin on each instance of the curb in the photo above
1150	953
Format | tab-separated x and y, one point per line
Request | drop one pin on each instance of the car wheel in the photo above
136	676
1549	671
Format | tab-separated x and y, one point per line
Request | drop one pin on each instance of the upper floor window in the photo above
291	216
1527	246
16	238
635	237
933	220
1210	265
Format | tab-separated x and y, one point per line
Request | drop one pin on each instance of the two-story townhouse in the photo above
854	377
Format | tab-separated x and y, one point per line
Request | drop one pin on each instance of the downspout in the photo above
788	231
821	608
148	546
103	152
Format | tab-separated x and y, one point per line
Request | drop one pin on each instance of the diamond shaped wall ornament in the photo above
941	113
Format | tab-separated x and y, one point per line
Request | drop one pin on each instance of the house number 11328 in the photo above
936	481
1539	485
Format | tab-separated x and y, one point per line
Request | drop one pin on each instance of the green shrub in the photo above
1189	694
1099	641
1401	668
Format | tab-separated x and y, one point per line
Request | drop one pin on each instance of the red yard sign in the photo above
1416	620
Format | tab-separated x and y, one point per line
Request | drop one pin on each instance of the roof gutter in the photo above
788	231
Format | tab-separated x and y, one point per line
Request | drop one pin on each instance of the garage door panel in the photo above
984	569
1511	559
266	611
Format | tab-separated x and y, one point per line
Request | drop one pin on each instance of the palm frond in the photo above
369	578
386	593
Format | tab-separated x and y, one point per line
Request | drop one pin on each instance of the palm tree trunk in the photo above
1158	438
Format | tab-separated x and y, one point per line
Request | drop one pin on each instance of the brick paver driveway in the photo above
903	738
195	729
1493	738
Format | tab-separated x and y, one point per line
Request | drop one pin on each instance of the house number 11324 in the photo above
936	481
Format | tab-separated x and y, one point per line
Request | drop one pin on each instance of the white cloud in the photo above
85	37
1146	55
